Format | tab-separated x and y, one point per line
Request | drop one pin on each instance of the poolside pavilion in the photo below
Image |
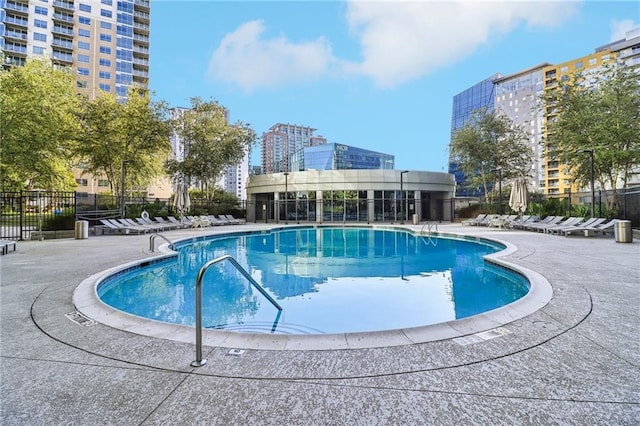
350	196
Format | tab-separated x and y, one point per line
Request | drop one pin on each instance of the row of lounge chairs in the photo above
555	225
143	225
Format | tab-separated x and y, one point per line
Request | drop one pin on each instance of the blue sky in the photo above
378	75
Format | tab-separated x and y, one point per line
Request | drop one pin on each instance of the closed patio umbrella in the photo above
181	201
519	198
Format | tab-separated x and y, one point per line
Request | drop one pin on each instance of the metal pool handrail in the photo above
199	362
152	238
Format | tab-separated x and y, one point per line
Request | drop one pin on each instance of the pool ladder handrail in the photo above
199	361
429	226
152	239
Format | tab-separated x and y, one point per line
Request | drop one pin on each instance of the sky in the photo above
378	75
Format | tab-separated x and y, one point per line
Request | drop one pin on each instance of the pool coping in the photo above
86	301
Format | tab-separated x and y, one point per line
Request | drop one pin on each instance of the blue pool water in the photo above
328	280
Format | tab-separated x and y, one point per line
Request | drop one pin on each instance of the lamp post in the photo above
286	198
402	210
593	191
123	175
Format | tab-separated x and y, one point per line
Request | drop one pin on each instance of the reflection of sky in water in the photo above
327	280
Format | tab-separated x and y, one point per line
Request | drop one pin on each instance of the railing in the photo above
152	239
199	362
429	225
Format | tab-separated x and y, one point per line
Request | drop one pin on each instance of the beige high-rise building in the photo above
104	42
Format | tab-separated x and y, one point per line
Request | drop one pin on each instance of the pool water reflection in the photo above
328	280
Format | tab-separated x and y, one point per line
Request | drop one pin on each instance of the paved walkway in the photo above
575	361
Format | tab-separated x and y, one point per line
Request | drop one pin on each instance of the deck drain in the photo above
236	352
482	336
80	319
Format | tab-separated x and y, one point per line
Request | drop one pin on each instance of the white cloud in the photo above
247	59
402	40
619	29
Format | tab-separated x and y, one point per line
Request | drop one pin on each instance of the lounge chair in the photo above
216	221
473	221
233	220
547	221
557	230
199	221
588	231
122	229
184	224
487	220
168	224
6	244
520	223
571	221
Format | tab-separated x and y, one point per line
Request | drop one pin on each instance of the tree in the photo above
38	121
132	136
488	142
210	142
600	111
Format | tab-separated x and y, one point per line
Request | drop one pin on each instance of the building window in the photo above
83	58
83	71
82	182
107	2
593	61
105	74
103	182
85	7
105	25
106	50
564	69
83	45
84	33
39	37
105	62
105	37
81	84
579	64
41	10
105	87
106	13
84	20
38	50
40	23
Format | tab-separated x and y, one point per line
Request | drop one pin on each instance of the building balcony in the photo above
15	35
57	29
142	3
19	8
63	44
62	57
16	48
66	5
16	20
143	16
63	17
13	61
141	49
141	27
141	62
139	38
140	73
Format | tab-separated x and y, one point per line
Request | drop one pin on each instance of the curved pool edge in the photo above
86	300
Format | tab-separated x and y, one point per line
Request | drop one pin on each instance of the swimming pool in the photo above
327	279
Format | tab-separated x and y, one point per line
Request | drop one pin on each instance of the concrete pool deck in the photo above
575	361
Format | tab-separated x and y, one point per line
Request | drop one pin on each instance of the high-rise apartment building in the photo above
281	141
480	96
106	42
557	177
518	97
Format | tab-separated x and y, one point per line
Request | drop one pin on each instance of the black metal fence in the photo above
620	204
25	212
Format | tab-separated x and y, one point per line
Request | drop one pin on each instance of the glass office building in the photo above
334	156
465	104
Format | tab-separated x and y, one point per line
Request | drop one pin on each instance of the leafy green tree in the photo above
210	142
488	142
598	111
38	126
133	135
